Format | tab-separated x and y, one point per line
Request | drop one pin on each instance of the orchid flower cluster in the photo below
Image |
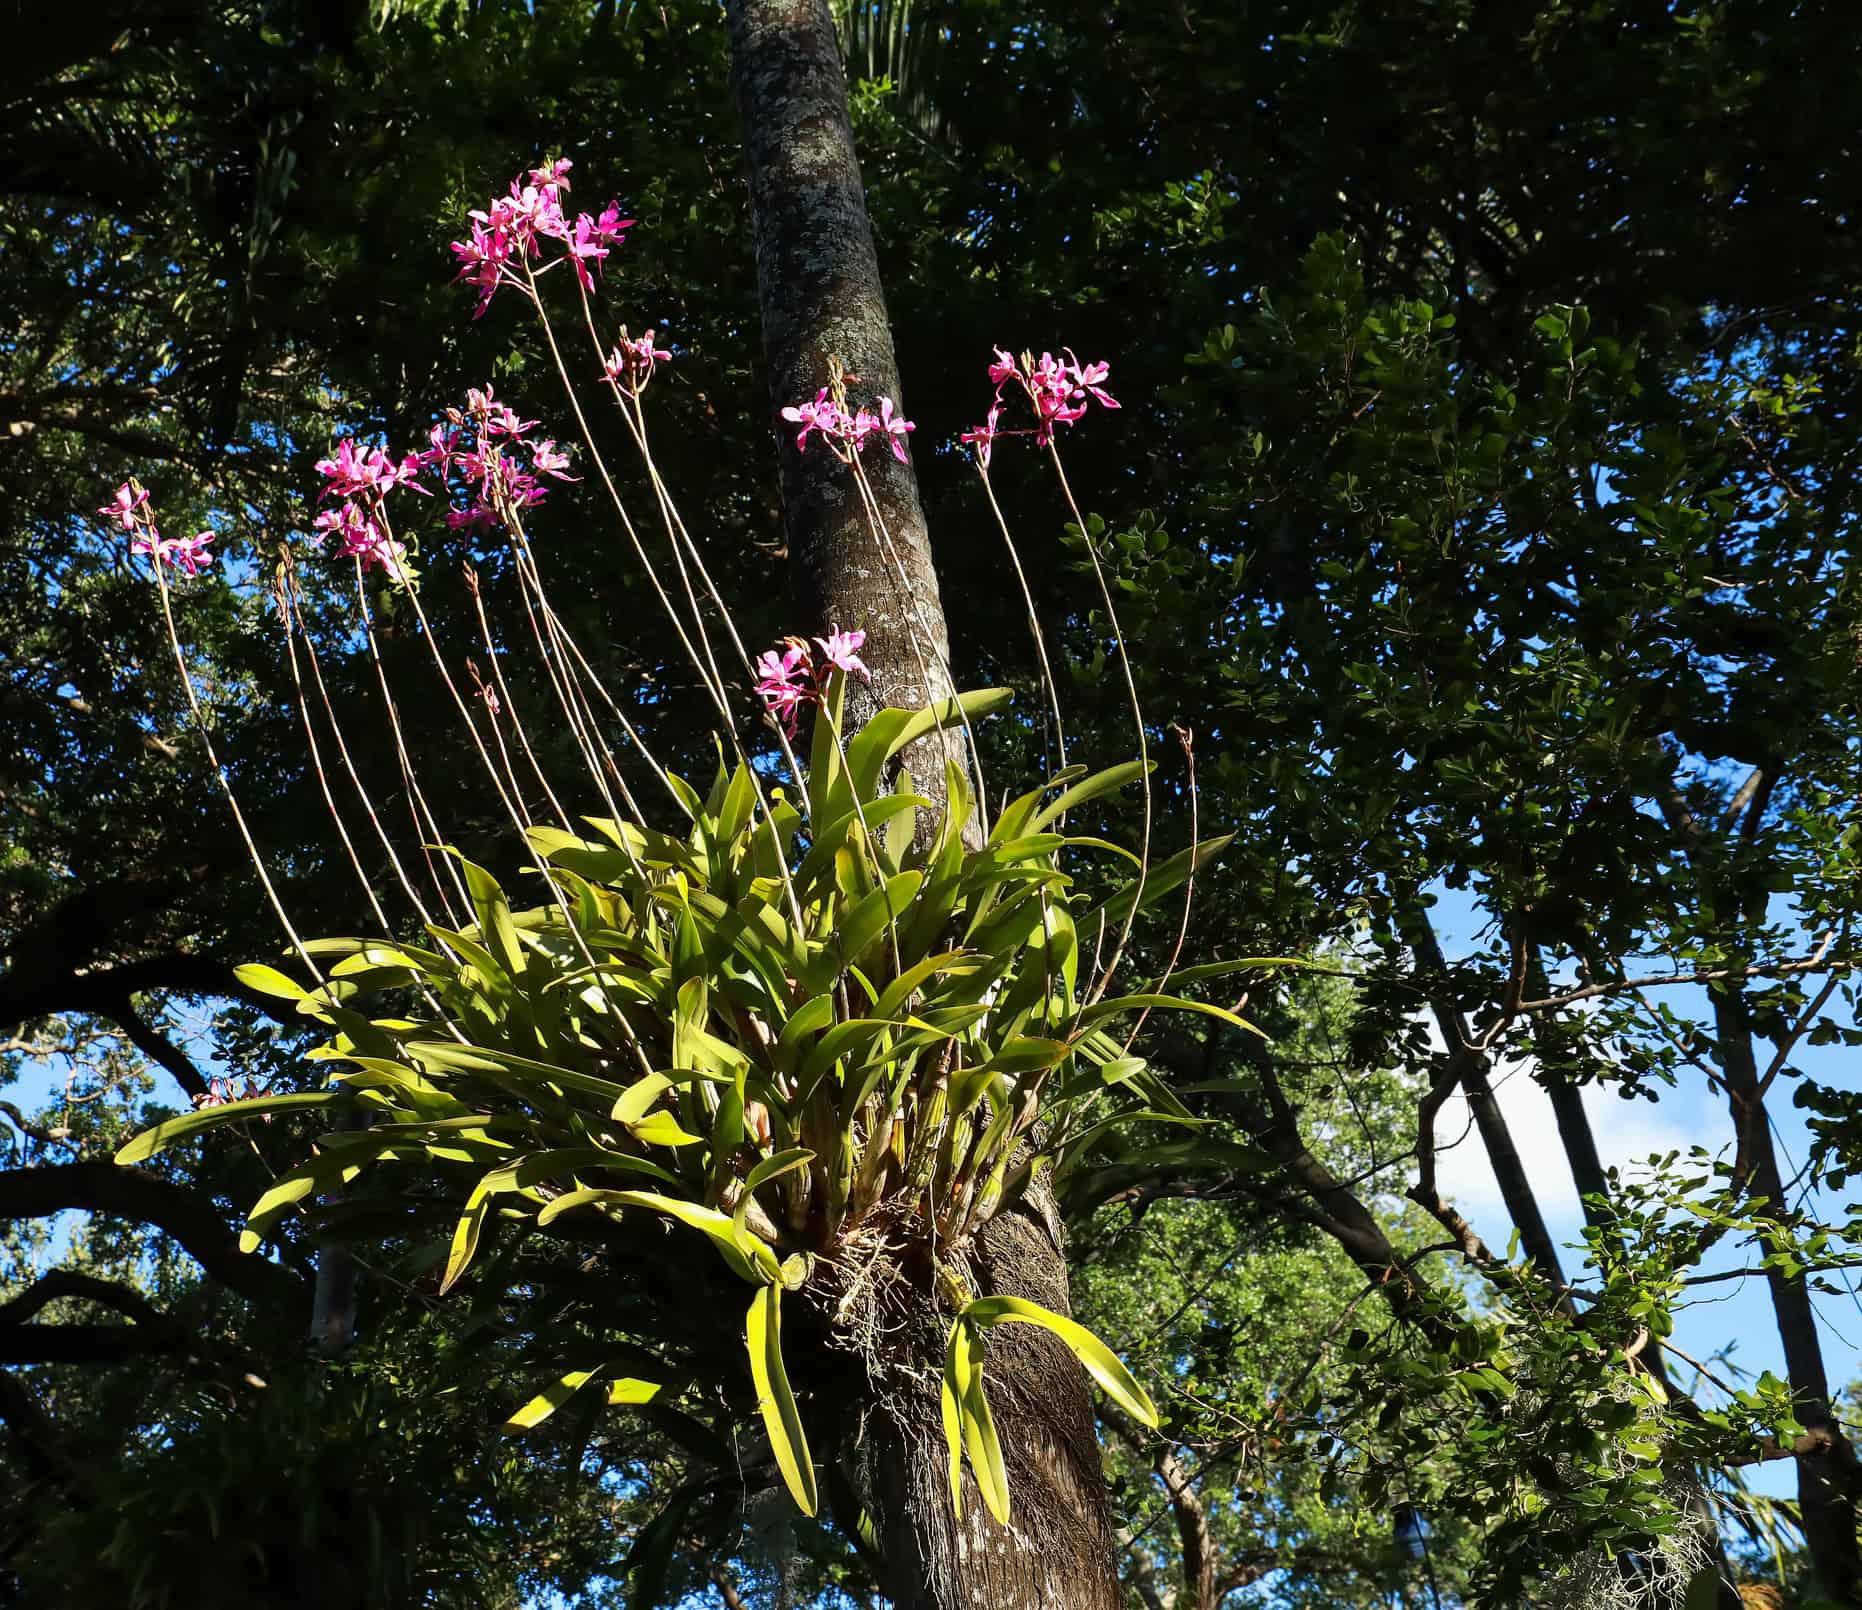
506	236
473	459
847	433
222	1092
475	455
129	508
630	365
793	675
1058	390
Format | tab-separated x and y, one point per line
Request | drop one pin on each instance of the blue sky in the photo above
1734	1318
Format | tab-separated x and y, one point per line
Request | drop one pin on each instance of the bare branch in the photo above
100	1186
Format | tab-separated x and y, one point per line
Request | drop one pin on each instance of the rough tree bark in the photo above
819	288
820	296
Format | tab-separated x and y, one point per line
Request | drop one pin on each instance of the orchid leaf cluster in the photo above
789	1033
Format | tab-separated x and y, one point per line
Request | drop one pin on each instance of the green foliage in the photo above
802	1033
1524	495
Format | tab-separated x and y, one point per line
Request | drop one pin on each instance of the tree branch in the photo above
1192	1519
101	1186
157	1047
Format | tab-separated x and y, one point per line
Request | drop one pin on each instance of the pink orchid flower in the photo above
896	426
983	436
547	458
125	505
610	226
189	554
585	247
841	651
823	414
633	361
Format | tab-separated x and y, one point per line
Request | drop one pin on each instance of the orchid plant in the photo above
787	1023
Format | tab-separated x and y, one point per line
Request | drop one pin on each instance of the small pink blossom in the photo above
823	414
1090	377
493	417
125	506
778	673
610	226
896	426
187	554
1058	390
845	433
511	231
478	517
586	245
548	459
983	437
350	471
482	255
794	674
632	362
841	650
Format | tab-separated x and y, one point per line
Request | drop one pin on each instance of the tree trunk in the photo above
1060	1550
818	284
818	287
1471	1068
1827	1477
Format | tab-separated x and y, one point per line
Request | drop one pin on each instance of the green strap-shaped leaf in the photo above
662	1129
1101	1362
549	1400
688	1018
749	1258
776	1166
1162	878
952	1414
269	981
1101	782
818	863
781	1418
851	1039
1166	1003
873	915
889	731
810	1018
472	1222
963	1369
1244	964
900	991
636	1100
446	1055
496	930
770	1168
166	1133
318	1174
388	957
625	1391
